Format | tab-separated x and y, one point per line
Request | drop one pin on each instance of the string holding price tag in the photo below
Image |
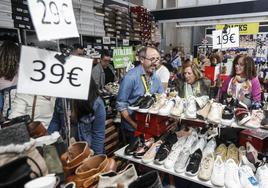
230	39
41	74
53	15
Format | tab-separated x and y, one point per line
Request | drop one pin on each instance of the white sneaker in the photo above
262	176
231	176
215	113
217	177
206	167
191	139
182	160
179	143
210	147
245	161
200	144
247	178
157	106
190	111
175	151
177	110
202	101
165	110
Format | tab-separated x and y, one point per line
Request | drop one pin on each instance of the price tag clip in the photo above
62	57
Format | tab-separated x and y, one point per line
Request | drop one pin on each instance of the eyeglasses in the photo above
153	59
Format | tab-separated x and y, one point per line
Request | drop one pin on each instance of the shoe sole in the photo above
227	122
133	108
146	161
143	110
163	114
159	162
153	112
244	120
180	170
191	174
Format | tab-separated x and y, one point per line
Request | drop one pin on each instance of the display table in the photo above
120	153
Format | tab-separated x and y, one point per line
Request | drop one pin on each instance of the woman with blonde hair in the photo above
192	82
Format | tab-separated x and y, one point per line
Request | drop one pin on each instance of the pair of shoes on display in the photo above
165	148
139	146
242	113
211	111
183	157
132	147
178	109
143	103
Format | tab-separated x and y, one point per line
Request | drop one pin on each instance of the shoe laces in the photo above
205	163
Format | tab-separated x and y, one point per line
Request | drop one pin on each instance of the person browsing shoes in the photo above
137	82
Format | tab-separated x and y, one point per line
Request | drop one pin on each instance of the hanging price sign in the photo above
261	52
228	39
125	42
106	40
40	73
53	19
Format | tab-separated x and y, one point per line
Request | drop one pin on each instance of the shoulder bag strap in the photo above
33	107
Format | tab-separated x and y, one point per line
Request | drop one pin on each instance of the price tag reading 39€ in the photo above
230	39
53	19
40	73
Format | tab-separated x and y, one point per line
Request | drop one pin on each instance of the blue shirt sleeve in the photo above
124	93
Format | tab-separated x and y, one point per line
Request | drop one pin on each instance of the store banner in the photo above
40	73
122	57
53	19
227	39
244	28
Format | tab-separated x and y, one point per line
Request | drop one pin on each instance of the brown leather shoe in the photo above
87	174
74	157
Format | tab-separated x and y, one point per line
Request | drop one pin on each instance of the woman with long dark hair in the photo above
88	116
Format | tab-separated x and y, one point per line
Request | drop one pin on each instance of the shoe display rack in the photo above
120	153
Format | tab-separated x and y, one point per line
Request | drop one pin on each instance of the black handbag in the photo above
16	173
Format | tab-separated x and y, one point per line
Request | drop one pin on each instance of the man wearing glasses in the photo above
103	72
137	82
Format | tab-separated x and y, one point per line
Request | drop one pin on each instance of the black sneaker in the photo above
132	147
192	168
165	148
227	113
137	103
146	104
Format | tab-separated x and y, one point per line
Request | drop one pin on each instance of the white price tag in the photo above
125	42
53	19
230	39
106	40
261	52
40	73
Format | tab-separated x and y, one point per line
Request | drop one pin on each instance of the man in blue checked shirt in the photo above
132	87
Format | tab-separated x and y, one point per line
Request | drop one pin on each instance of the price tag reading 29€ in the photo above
230	39
53	19
40	73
